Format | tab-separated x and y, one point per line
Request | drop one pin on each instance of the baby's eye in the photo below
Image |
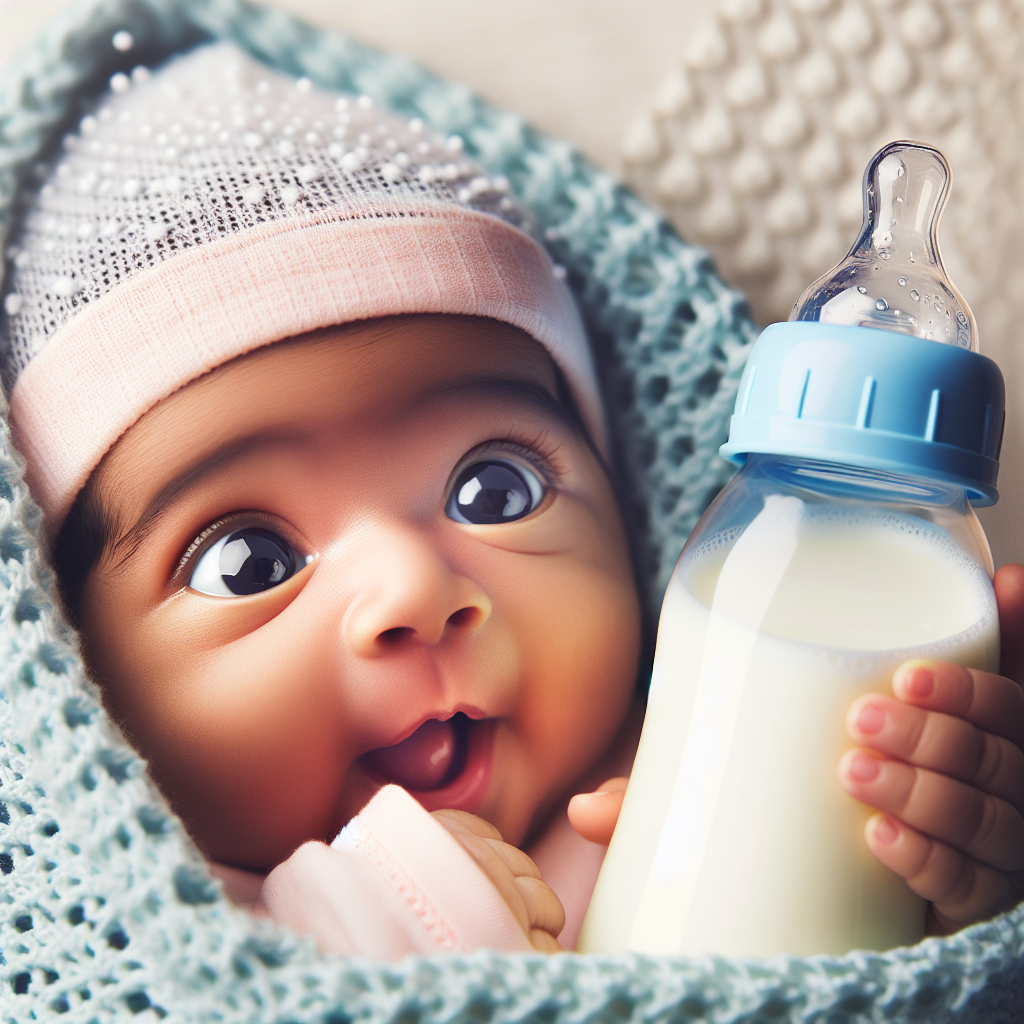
494	491
245	561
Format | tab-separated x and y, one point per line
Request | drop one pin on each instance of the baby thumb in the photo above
594	815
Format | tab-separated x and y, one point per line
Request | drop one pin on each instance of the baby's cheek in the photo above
247	739
584	670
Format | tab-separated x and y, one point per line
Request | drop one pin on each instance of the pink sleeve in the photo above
394	882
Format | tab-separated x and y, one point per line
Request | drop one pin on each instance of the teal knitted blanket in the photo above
106	909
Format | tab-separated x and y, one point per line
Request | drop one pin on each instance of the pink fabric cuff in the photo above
179	319
394	882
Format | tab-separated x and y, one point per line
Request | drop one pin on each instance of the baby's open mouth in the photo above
442	764
431	758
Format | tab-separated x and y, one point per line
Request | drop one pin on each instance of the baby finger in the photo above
941	743
961	889
542	906
984	827
991	702
544	942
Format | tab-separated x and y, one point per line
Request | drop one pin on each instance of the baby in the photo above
317	436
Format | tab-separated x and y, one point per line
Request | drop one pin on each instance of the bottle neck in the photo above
836	480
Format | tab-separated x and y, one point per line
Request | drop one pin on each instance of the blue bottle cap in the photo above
879	364
856	395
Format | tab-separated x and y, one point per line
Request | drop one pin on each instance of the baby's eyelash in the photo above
196	545
237	520
541	451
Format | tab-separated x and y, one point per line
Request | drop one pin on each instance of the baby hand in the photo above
593	815
513	874
944	763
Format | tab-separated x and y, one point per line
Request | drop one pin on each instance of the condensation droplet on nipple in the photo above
905	190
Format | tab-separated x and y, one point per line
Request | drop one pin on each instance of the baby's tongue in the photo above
419	762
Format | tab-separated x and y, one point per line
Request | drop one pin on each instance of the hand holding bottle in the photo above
943	763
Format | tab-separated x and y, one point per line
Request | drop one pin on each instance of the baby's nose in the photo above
412	595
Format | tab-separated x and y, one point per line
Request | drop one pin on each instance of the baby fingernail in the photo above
871	719
884	830
864	768
919	682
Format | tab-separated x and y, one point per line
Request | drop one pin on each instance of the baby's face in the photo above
381	553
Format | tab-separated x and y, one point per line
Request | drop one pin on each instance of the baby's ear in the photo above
1009	584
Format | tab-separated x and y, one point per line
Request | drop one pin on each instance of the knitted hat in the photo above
215	206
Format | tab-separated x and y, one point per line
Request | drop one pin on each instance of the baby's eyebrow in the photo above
128	543
525	392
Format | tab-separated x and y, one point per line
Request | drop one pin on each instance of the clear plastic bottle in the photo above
845	545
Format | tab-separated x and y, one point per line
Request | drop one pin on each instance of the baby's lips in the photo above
419	762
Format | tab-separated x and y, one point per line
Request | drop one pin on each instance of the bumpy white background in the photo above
762	172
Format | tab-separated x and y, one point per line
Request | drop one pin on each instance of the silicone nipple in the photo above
893	277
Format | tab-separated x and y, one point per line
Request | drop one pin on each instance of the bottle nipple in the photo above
893	277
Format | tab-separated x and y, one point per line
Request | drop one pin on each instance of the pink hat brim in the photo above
160	329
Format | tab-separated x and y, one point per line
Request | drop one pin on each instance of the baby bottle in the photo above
866	427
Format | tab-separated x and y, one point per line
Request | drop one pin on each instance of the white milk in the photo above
735	836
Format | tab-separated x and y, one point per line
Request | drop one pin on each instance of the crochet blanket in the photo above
107	911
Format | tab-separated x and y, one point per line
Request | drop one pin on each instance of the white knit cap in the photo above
214	206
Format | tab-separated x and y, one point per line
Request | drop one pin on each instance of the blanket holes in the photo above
53	658
79	710
13	542
194	886
681	448
27	609
153	821
120	764
137	1002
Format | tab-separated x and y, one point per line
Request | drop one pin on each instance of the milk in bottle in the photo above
846	545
